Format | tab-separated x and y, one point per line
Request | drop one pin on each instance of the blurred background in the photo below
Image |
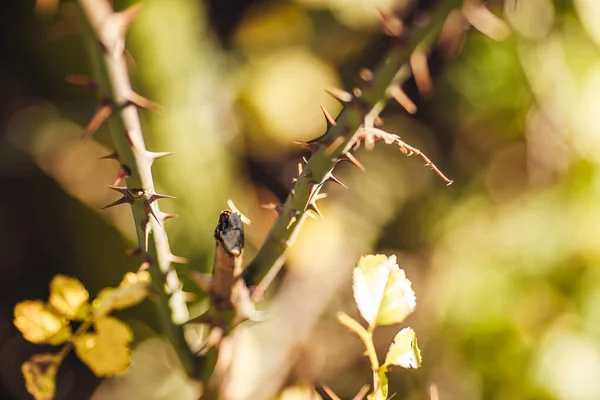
504	263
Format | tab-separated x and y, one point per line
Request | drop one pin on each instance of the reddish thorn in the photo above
123	190
123	173
125	199
102	113
82	80
149	210
313	208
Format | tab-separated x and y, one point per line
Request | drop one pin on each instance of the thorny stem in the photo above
106	36
336	143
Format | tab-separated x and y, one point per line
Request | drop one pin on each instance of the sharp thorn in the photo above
272	206
149	210
123	19
165	216
123	200
292	220
178	260
312	207
328	117
123	190
111	156
143	102
82	80
146	229
102	113
340	94
156	155
332	178
123	173
144	266
158	196
349	157
400	96
133	252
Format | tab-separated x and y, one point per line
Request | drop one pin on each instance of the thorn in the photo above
420	68
299	169
305	160
392	25
188	297
366	74
149	210
123	173
328	117
144	266
104	111
292	220
146	229
123	19
203	281
333	146
313	208
142	102
165	216
133	252
123	190
272	206
158	196
340	94
400	96
156	155
349	157
332	178
330	392
362	392
178	260
125	199
111	156
82	80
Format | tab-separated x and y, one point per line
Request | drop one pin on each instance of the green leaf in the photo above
382	292
404	350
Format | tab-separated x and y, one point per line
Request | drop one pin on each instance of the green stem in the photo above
271	256
106	36
365	335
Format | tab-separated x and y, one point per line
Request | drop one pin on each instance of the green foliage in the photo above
383	296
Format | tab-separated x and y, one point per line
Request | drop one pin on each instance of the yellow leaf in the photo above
107	351
69	297
39	324
40	375
382	292
132	290
404	350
